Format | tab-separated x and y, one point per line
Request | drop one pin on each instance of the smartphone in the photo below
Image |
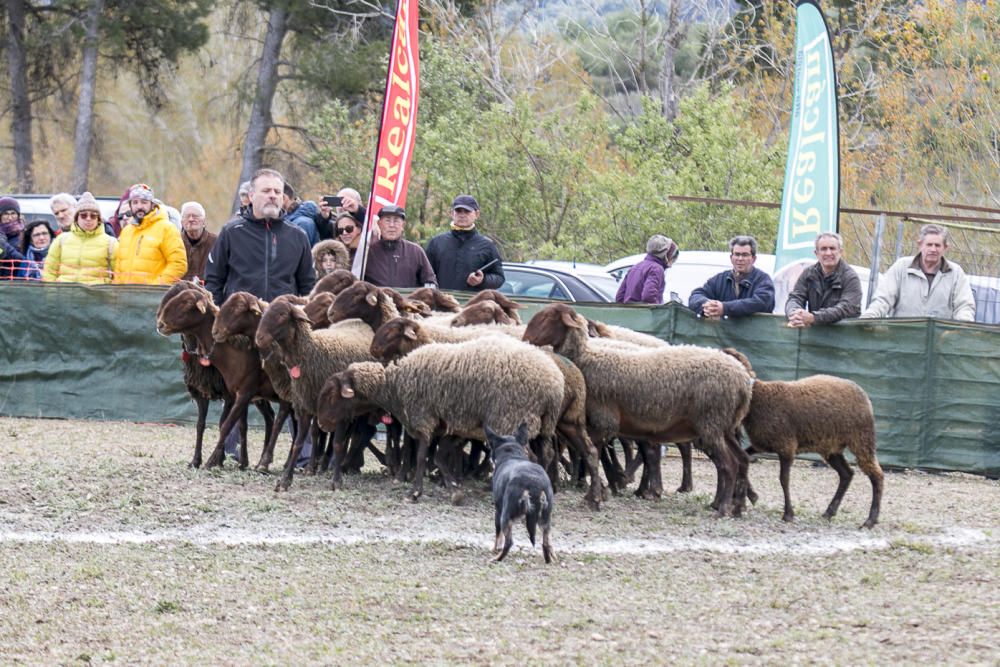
333	201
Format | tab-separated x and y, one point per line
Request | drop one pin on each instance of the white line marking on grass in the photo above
801	544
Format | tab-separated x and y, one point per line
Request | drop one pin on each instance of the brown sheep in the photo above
436	300
509	306
334	283
671	394
484	312
821	414
317	309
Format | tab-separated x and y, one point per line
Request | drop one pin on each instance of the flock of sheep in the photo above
437	373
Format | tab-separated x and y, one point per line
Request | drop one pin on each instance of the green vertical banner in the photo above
810	201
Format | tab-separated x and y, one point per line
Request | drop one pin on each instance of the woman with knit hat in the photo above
86	253
645	282
11	239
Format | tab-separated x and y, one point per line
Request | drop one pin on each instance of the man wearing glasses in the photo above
462	258
743	291
393	261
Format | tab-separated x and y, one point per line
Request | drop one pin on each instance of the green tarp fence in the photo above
79	352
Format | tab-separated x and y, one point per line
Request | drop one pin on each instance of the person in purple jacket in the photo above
645	281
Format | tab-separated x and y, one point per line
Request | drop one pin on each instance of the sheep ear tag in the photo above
295	372
386	419
205	361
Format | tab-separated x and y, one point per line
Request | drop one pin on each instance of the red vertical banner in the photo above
398	125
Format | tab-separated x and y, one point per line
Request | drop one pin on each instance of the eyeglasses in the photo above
88	215
742	255
345	230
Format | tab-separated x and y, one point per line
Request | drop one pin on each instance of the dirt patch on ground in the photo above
114	551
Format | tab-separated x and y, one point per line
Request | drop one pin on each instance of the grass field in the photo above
113	551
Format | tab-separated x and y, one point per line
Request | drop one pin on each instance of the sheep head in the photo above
554	325
339	400
173	291
508	306
185	311
334	283
317	308
436	299
239	315
279	325
597	329
484	312
360	300
396	338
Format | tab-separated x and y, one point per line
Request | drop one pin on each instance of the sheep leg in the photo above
785	462
638	461
614	483
199	432
406	457
484	467
267	412
339	447
267	456
629	453
443	459
652	455
317	452
242	455
285	480
742	483
392	448
237	412
583	447
421	466
543	450
361	437
687	483
843	468
726	467
869	465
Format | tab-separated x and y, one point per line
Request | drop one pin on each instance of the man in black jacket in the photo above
464	259
259	253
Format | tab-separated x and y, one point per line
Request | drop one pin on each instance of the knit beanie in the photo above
16	226
140	191
86	202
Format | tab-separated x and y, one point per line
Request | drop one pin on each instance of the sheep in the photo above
484	312
205	383
317	309
333	283
452	390
310	357
193	312
398	337
671	394
436	300
508	305
239	316
821	414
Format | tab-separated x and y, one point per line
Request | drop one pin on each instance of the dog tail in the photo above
530	512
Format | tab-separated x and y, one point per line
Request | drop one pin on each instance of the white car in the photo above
693	268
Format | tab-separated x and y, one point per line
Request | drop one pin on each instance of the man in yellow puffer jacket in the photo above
150	248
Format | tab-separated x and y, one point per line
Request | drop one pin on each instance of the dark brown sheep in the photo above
192	312
820	414
436	300
317	309
333	283
484	312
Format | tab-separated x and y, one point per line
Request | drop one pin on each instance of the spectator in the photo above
244	192
11	238
330	255
394	261
348	232
350	203
462	258
300	213
259	252
63	207
743	291
120	219
926	285
198	241
150	249
646	281
85	254
37	240
826	292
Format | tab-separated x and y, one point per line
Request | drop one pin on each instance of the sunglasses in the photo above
88	215
345	230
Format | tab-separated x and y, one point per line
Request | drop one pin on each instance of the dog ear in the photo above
521	434
491	436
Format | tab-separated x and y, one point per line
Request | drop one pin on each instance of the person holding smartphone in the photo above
462	258
331	207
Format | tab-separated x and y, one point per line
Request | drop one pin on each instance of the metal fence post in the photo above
899	239
876	256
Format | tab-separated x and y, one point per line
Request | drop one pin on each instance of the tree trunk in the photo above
83	141
267	83
672	36
17	64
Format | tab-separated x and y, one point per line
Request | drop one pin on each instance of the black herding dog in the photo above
520	488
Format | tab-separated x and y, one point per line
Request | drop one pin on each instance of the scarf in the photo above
462	229
12	228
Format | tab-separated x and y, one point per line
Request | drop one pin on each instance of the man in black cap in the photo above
462	258
393	261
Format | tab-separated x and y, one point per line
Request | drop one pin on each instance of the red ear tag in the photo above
386	419
205	361
185	356
295	372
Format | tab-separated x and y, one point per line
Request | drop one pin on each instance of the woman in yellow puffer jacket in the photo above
84	254
150	249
